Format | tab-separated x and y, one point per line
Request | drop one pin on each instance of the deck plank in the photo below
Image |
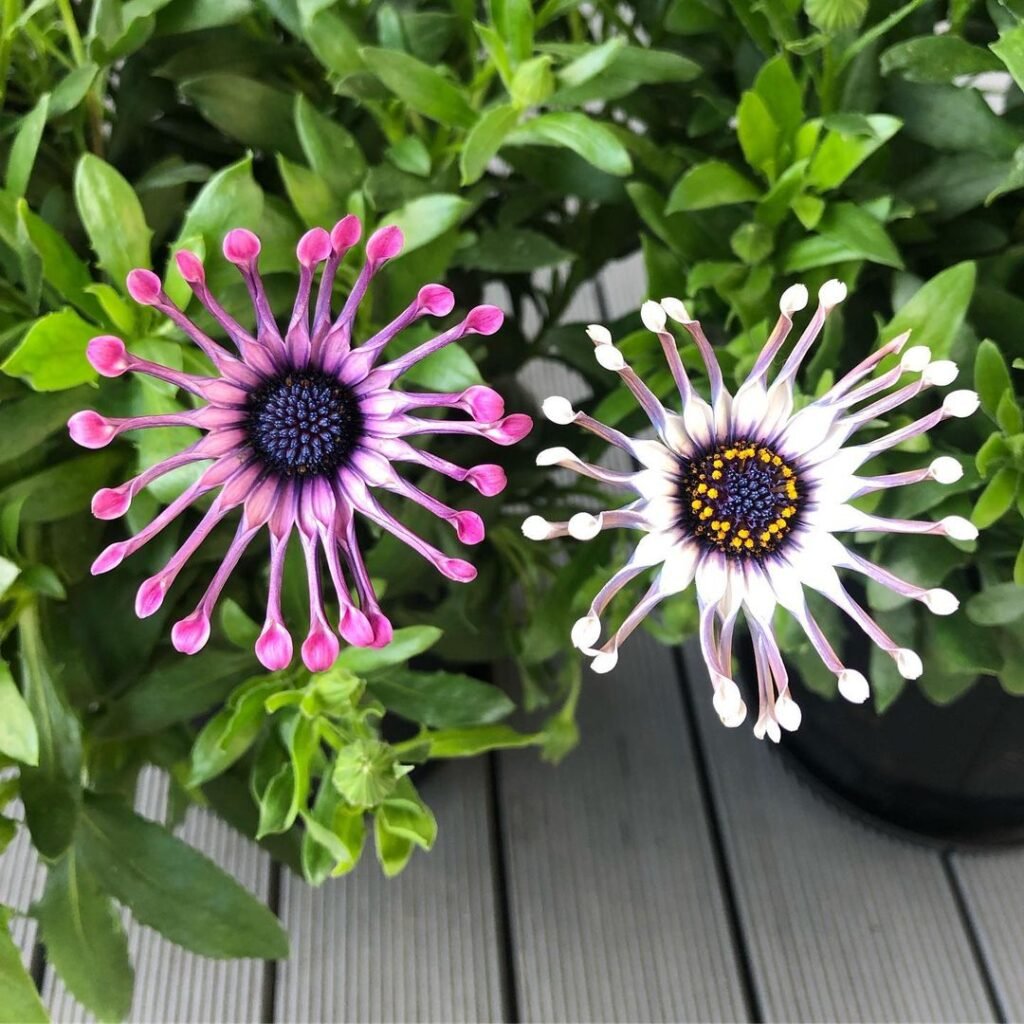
616	906
423	946
171	984
993	886
21	883
841	922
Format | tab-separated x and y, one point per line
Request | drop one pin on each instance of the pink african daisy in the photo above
299	429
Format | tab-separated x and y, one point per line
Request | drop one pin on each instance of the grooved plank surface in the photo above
21	883
423	946
616	907
172	984
993	888
841	922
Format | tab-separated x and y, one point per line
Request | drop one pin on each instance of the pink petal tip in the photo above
111	502
385	244
190	266
150	596
488	479
511	429
144	287
109	558
91	430
436	299
274	647
346	233
355	627
457	569
469	528
485	404
108	356
320	649
484	319
189	636
382	629
314	247
241	246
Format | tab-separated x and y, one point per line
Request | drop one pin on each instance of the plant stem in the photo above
67	15
10	11
877	31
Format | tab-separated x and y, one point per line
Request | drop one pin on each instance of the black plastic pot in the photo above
954	772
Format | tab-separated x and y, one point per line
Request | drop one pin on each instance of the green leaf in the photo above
334	837
332	151
998	605
937	59
23	150
473	740
52	791
758	134
18	736
855	229
781	93
440	699
405	815
62	489
311	196
173	888
420	87
405	644
61	266
9	572
592	61
72	89
1010	50
1008	413
231	732
484	140
514	21
254	113
428	217
997	498
711	184
936	310
393	851
589	139
991	376
959	646
848	142
512	251
113	218
230	199
85	941
29	422
21	1003
51	356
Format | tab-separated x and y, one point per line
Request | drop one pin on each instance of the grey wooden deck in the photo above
669	869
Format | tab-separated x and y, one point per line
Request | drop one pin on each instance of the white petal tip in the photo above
537	528
652	316
959	528
585	632
941	373
945	470
677	310
793	300
605	662
853	686
584	526
558	410
908	664
599	334
916	359
610	357
961	403
788	713
831	293
555	456
941	602
735	717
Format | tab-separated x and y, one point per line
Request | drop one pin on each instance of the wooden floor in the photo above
669	869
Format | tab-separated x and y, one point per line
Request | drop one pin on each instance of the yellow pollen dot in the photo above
773	528
696	503
744	534
716	525
765	537
713	493
776	461
717	464
703	489
707	513
715	475
731	453
727	526
748	543
736	542
787	472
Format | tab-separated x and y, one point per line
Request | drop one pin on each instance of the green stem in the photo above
877	31
67	15
8	14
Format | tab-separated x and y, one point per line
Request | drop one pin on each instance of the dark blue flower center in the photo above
304	423
741	498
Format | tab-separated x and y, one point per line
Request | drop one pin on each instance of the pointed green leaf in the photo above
420	87
21	1003
51	356
484	140
589	139
18	736
711	184
23	150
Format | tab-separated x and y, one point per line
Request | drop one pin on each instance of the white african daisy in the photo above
744	497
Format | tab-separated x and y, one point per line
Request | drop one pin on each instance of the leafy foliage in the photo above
743	145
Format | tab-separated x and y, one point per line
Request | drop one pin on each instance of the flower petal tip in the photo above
605	661
488	479
652	316
915	359
274	647
794	299
469	527
961	404
385	243
485	404
676	309
346	233
190	266
314	247
558	410
853	686
144	287
599	334
537	528
511	429
958	528
320	649
831	293
484	320
150	597
107	355
383	632
91	430
940	373
241	246
908	664
945	470
457	569
355	627
941	602
610	358
584	526
111	502
585	632
190	634
436	299
109	558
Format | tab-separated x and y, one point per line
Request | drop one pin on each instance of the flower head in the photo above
743	497
300	427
